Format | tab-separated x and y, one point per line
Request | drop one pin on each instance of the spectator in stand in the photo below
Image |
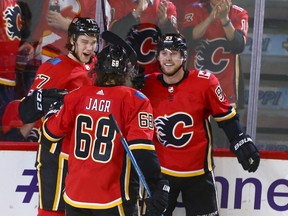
180	7
142	23
24	77
11	32
183	102
55	19
125	14
143	37
217	34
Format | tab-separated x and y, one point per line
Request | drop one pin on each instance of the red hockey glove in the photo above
247	153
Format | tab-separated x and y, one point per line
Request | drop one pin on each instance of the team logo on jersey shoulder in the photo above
140	95
204	74
54	61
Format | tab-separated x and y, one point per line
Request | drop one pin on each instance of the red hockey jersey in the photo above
212	52
96	153
181	114
10	36
62	72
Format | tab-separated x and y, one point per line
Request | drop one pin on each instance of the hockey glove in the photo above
247	153
54	108
158	203
33	107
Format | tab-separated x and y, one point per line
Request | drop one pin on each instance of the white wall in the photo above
271	180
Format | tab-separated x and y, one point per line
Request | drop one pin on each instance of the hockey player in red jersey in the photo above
183	101
217	34
63	72
98	166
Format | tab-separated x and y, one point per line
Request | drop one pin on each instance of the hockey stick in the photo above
132	158
114	39
103	8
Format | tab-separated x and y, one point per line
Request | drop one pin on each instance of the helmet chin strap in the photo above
73	52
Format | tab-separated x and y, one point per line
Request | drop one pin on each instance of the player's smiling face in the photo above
170	61
85	47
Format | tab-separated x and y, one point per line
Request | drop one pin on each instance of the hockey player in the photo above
68	72
183	101
98	166
63	72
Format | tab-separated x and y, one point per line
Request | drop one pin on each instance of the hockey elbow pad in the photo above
48	141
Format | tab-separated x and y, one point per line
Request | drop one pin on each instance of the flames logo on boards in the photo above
210	55
13	23
144	38
174	130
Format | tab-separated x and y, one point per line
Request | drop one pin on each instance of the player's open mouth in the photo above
168	64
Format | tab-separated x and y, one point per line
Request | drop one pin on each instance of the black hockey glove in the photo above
158	203
54	108
138	80
247	153
33	107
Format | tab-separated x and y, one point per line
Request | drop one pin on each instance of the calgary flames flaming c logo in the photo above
13	23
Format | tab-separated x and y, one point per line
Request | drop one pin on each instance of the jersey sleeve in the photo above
192	16
239	18
61	123
140	134
219	107
118	9
140	118
171	11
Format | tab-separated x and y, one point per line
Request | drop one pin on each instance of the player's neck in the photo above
175	78
71	56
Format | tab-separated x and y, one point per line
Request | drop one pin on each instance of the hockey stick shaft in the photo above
103	8
130	155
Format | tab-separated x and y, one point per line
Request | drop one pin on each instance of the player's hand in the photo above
49	96
158	203
247	153
162	12
33	107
